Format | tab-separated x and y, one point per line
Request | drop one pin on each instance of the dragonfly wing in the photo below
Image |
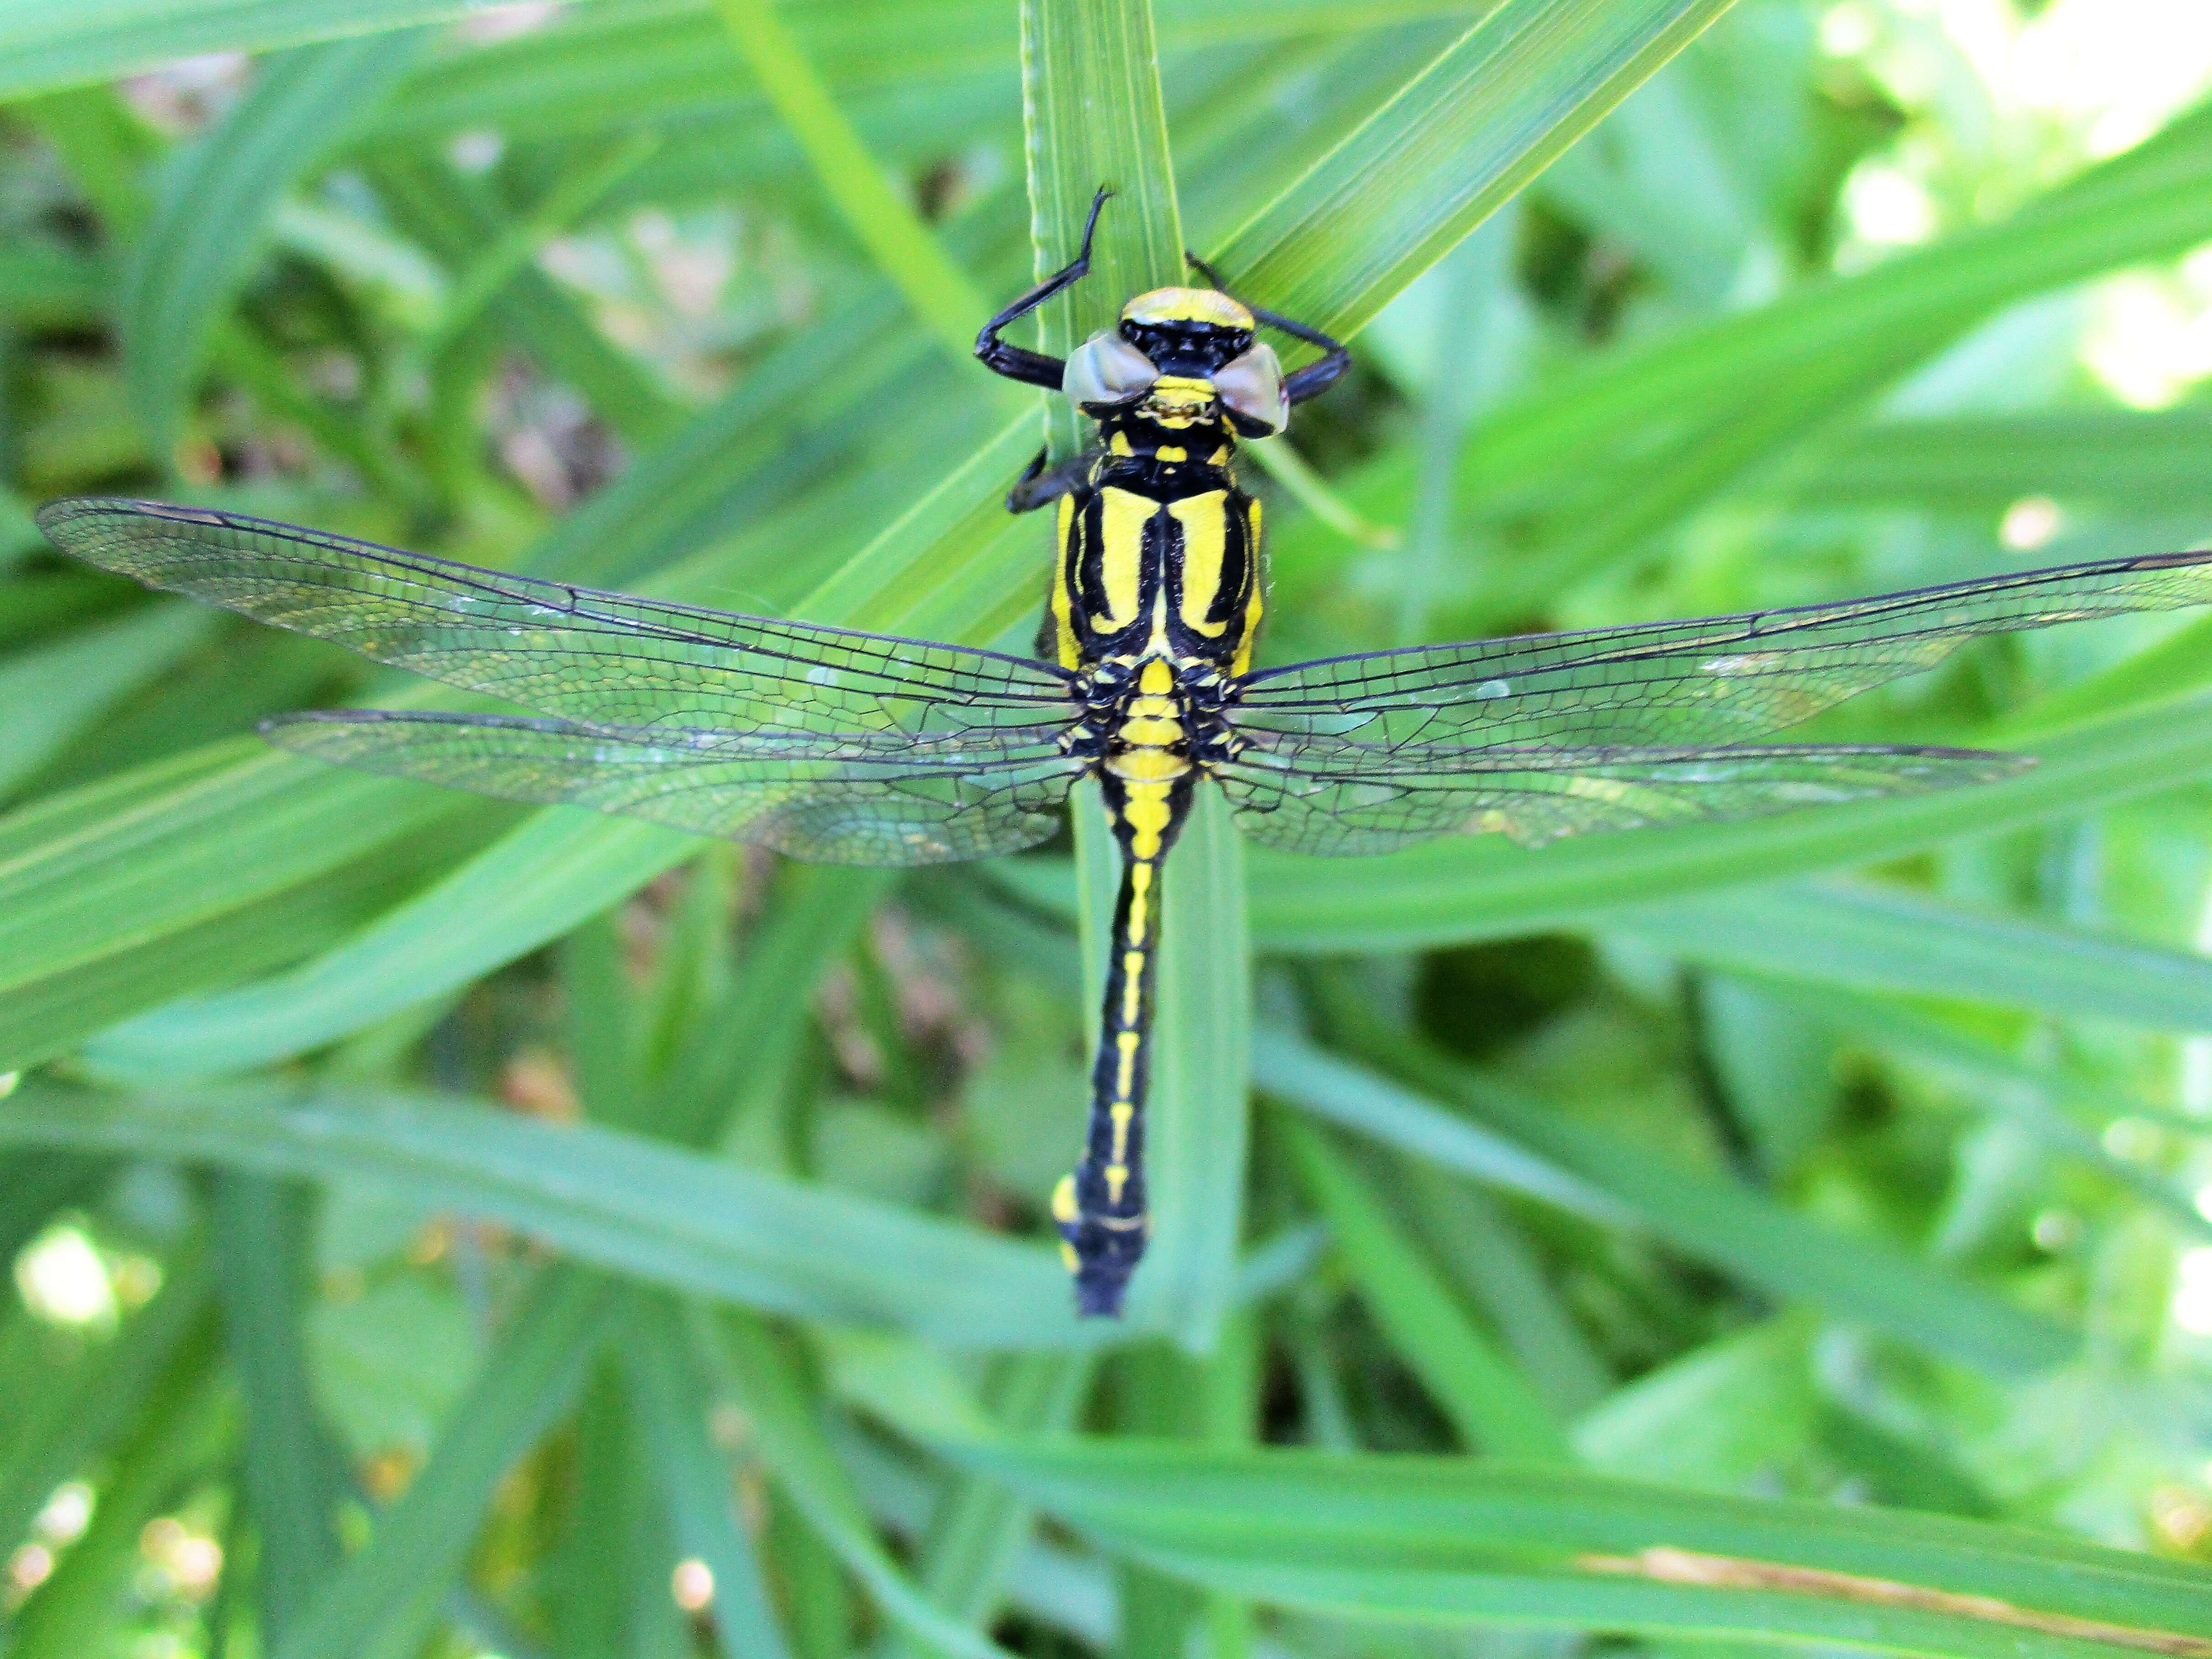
884	800
1337	798
598	658
1720	681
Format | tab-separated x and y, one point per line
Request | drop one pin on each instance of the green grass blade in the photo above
384	1602
1869	937
749	1361
880	215
603	1023
130	974
79	880
1200	1123
735	1053
53	691
1707	1215
214	213
978	1529
411	953
1487	116
1490	1403
1482	889
1459	1543
1982	463
634	1205
44	48
1331	1087
672	1400
292	1477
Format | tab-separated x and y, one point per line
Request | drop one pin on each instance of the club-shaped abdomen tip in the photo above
1101	1282
1098	1296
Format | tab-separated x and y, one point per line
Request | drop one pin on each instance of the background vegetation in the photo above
440	1228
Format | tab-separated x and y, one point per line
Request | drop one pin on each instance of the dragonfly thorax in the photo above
1158	556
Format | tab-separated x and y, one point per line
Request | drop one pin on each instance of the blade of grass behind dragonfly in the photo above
57	1012
1092	113
1863	936
1707	1215
878	214
383	1602
1481	1388
293	1477
749	1361
1479	888
671	1400
410	954
979	1528
1468	1542
1485	117
45	48
213	215
632	1206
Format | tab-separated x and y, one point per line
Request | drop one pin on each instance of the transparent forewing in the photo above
1337	798
602	659
1722	680
884	800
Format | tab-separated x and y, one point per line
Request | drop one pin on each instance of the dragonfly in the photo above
829	744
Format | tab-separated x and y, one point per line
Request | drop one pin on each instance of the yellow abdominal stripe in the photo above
1146	810
1140	888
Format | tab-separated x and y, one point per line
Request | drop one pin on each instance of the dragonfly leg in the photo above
1039	486
1016	362
1315	377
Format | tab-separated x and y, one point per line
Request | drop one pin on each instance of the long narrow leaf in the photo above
1487	116
383	1602
1454	1542
1707	1215
214	210
633	1205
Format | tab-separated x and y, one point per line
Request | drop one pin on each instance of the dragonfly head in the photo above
1182	357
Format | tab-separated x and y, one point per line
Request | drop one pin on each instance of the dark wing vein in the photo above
602	659
1721	680
886	800
1334	797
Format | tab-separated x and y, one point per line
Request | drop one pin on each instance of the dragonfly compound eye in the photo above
1252	386
1106	369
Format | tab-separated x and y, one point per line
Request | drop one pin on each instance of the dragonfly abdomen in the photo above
1101	1209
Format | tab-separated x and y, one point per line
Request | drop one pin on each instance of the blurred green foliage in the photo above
440	1228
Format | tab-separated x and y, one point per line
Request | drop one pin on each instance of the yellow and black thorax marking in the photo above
1158	557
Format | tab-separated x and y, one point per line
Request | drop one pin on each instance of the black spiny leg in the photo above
1315	377
1014	362
1038	488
